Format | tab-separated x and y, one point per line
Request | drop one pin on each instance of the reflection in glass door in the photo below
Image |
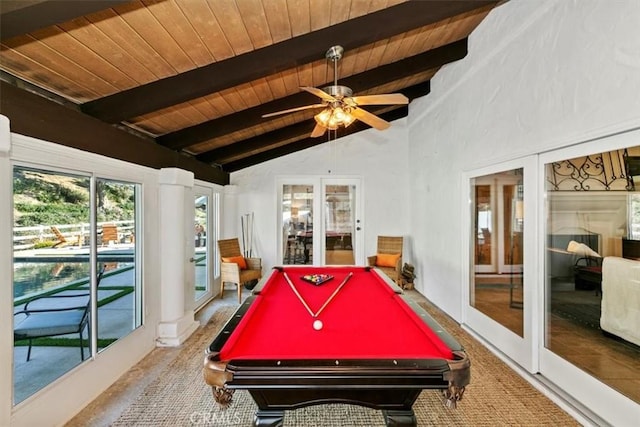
297	224
339	224
497	291
591	252
484	260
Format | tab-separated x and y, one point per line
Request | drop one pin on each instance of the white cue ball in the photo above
317	325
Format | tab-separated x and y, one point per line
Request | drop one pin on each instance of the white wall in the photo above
539	75
379	158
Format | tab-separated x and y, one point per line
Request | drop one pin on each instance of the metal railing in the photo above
28	237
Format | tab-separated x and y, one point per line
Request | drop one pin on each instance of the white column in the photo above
6	270
176	322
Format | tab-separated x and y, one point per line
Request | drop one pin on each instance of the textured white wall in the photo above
539	75
379	158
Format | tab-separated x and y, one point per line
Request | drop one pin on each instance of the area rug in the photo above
583	314
496	396
579	307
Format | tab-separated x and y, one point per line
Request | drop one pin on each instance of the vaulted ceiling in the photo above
196	76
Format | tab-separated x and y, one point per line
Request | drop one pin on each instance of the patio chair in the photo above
388	257
109	234
235	268
54	315
62	240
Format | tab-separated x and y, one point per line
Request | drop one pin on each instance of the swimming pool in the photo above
37	277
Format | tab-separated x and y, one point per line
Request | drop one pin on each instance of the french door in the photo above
320	221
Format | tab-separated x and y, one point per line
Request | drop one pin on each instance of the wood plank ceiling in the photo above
196	76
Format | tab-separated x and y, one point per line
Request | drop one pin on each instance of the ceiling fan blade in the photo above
319	93
384	99
292	110
318	131
370	119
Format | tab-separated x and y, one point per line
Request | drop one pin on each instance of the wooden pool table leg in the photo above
268	418
399	418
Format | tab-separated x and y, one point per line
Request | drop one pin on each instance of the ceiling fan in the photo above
340	107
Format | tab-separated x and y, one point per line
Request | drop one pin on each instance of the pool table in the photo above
374	346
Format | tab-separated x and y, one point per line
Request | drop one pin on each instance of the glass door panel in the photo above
591	252
297	224
498	229
200	264
119	290
51	276
501	298
339	224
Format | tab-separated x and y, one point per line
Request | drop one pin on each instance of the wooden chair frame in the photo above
230	272
390	245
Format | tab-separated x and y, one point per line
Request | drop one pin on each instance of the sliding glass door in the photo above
590	344
76	271
499	300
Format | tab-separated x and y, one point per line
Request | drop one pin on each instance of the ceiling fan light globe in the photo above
333	123
339	114
348	120
323	117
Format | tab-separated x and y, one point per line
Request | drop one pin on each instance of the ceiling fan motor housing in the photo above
338	91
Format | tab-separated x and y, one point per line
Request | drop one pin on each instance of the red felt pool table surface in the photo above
366	319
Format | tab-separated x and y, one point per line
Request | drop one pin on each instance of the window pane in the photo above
119	296
51	272
498	225
591	264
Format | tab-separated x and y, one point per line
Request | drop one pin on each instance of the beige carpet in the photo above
495	397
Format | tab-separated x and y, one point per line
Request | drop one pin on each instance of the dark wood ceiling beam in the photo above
306	143
219	155
22	17
32	115
274	58
360	82
298	130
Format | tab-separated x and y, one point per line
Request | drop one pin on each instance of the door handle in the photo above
192	260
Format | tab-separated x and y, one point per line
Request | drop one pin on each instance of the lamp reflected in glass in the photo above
581	249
